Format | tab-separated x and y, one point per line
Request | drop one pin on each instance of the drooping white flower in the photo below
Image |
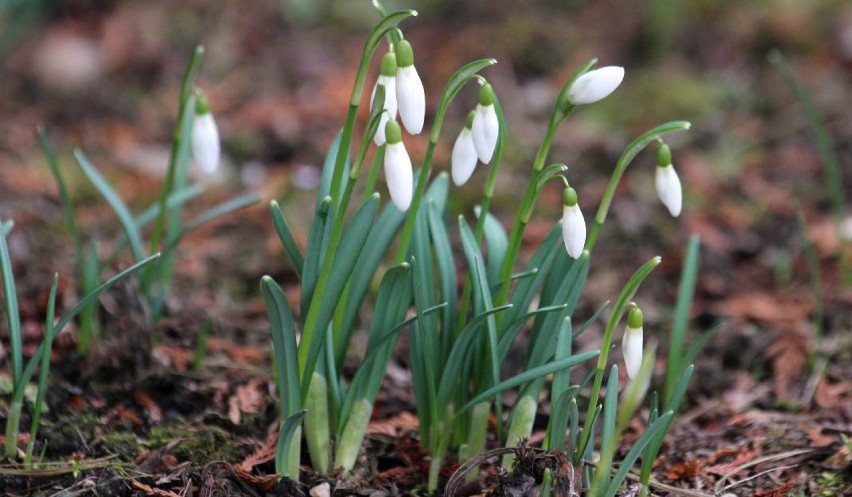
668	184
387	77
595	85
573	224
410	96
205	138
631	343
486	127
464	153
398	171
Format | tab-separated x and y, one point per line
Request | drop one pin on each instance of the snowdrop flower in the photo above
387	77
398	171
631	344
595	85
464	153
410	96
573	224
205	137
486	128
668	183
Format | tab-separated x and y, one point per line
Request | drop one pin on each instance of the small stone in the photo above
321	490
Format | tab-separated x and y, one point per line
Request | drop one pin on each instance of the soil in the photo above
769	410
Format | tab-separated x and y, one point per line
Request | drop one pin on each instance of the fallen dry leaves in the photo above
248	399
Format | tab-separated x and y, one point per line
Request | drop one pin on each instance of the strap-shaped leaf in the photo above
660	425
348	250
328	171
314	252
529	375
446	274
526	289
114	201
608	429
392	302
685	296
460	355
291	248
212	213
560	415
285	450
497	242
72	313
546	325
13	318
283	330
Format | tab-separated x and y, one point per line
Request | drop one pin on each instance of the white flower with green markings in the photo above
486	127
205	138
668	184
573	224
595	85
398	172
387	78
410	96
631	343
464	156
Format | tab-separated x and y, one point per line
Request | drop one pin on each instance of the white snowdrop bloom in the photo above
464	154
205	138
573	224
668	184
387	78
410	96
398	171
486	127
631	343
595	85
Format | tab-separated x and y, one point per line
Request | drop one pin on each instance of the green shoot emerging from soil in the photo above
459	341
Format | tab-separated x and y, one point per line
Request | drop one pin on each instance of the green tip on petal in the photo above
404	53
469	122
664	156
393	133
569	197
202	106
635	318
486	95
388	67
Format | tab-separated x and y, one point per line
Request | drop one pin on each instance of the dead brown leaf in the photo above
248	399
690	468
404	421
152	409
830	395
238	353
789	356
157	492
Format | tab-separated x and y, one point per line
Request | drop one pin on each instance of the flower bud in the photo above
668	184
595	85
573	224
410	96
464	153
398	171
205	137
486	127
631	343
387	77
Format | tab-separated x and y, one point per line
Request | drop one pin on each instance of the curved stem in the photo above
626	158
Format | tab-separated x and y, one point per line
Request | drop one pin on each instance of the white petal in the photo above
411	99
205	143
631	347
399	175
669	189
573	230
464	157
486	129
390	105
595	85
